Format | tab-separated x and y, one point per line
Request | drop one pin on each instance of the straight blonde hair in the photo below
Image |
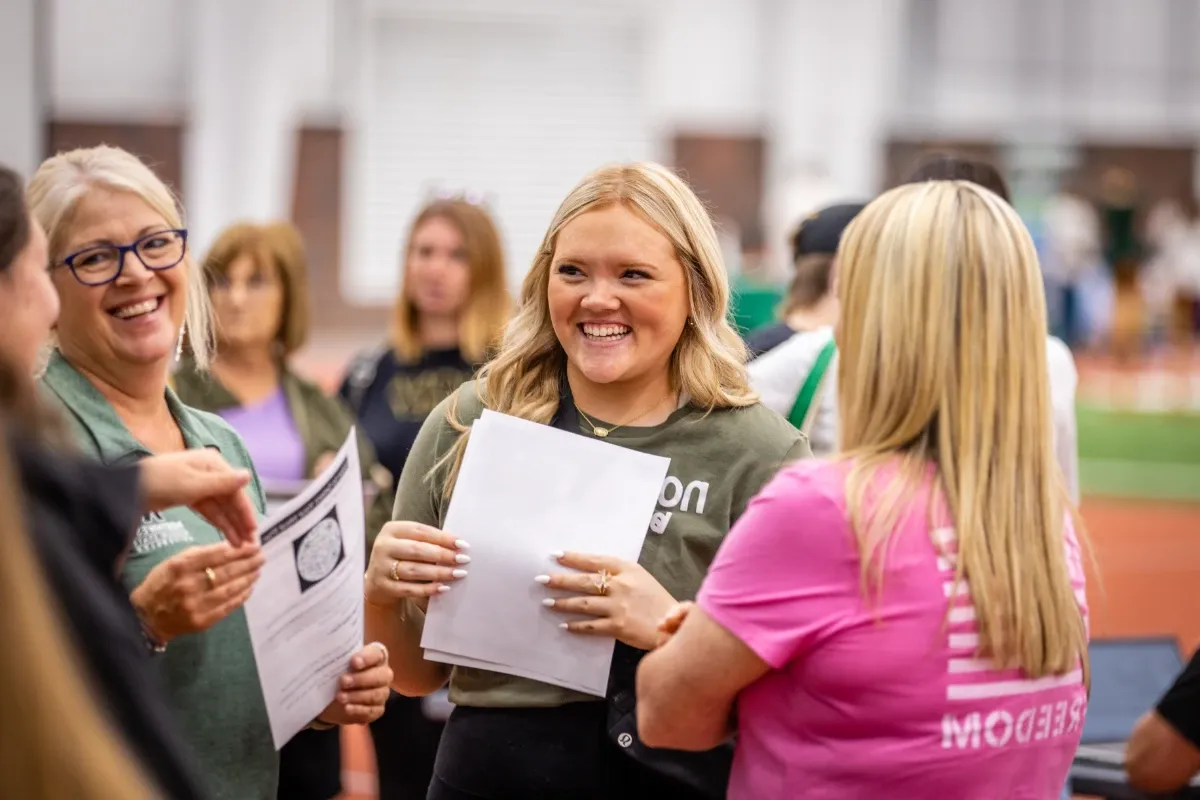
524	378
56	743
488	304
62	181
943	362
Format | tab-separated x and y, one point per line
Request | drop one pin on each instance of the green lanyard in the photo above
802	409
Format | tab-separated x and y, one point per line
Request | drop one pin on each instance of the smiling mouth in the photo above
605	332
139	309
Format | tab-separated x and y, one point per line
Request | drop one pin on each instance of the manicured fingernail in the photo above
459	573
562	625
548	602
443	588
557	554
461	544
462	559
357	663
542	579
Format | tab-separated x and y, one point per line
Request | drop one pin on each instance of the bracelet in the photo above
318	725
156	645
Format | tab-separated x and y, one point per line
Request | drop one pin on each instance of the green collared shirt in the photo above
211	676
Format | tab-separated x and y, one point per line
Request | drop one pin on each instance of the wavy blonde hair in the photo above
943	362
524	377
63	180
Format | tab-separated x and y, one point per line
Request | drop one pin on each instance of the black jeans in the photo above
542	754
406	743
310	766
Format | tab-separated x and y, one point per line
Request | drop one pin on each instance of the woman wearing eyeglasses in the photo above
452	306
127	287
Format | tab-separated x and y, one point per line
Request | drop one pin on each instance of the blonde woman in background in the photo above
452	307
621	334
127	286
909	617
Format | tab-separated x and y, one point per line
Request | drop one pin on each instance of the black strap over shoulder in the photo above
707	772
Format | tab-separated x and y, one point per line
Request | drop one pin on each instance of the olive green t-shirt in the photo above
719	461
211	676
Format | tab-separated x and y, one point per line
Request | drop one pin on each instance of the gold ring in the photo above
212	577
602	578
396	571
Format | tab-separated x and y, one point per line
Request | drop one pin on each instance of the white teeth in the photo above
605	331
135	310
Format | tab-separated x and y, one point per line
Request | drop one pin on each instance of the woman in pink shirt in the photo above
908	619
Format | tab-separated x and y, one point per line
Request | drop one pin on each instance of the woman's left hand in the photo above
628	607
363	690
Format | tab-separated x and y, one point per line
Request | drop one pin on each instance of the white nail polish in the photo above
542	579
443	588
562	625
461	545
459	573
462	559
548	602
557	554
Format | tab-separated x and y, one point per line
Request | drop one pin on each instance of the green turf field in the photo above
1151	456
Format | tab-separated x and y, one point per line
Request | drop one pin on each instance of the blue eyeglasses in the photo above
101	264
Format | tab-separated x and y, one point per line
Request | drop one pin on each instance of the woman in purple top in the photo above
258	284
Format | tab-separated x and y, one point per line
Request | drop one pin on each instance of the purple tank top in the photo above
271	436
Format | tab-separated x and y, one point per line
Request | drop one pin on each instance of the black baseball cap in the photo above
821	231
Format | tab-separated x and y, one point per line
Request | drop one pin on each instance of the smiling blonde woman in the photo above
621	334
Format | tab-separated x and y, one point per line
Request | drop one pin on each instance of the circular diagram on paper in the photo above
320	551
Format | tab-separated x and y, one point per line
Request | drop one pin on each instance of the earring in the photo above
179	344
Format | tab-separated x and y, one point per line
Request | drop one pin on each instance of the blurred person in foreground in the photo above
452	307
126	285
622	335
258	285
909	614
57	742
781	375
810	303
1163	752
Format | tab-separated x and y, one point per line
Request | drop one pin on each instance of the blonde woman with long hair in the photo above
620	334
907	618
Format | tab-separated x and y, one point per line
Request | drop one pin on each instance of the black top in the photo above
82	517
767	338
392	398
1180	706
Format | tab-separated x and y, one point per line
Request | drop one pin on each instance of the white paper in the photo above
306	612
524	491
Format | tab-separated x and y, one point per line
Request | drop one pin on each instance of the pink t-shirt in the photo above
876	700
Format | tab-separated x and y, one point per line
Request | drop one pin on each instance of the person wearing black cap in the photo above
810	304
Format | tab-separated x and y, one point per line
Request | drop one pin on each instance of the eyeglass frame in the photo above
122	251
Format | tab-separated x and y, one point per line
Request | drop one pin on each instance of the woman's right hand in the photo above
193	590
413	561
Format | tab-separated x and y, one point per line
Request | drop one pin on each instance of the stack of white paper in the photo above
525	491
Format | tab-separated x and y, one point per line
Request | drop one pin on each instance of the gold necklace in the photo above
603	432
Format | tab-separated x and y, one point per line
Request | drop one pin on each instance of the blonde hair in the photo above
62	181
277	244
943	362
488	303
523	380
57	743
